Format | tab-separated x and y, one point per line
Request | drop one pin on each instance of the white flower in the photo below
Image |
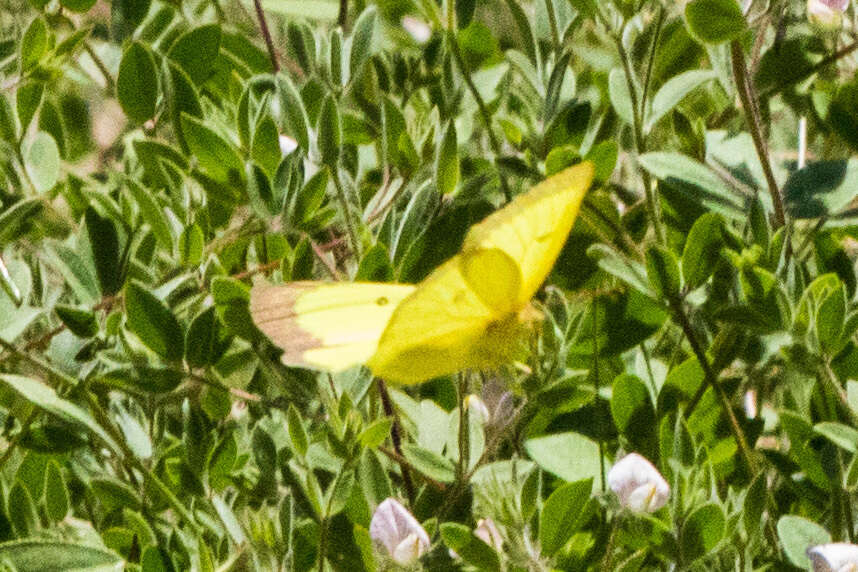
397	532
287	144
834	557
478	406
417	29
826	14
638	484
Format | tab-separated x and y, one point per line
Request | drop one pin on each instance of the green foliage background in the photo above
702	313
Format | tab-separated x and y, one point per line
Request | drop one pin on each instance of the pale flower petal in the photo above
638	484
397	532
834	557
417	29
488	532
287	144
826	14
478	406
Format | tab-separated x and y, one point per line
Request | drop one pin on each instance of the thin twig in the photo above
826	61
481	105
712	381
396	437
752	117
266	35
99	63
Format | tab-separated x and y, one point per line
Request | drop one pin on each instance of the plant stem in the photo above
639	140
552	21
99	63
651	59
266	35
464	430
395	436
711	380
481	105
347	212
752	118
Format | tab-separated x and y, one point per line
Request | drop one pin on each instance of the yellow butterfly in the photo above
472	312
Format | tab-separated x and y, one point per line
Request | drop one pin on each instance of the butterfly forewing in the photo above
322	325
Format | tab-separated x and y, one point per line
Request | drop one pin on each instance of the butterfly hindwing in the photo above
532	229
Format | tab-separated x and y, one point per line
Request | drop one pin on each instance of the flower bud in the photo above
478	406
287	144
638	484
397	533
417	29
488	532
834	557
826	14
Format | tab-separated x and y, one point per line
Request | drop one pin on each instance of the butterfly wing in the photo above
532	229
327	326
446	325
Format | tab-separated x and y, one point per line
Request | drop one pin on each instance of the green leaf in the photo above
570	456
196	52
469	546
153	322
376	433
820	188
696	180
297	433
633	412
16	217
126	15
621	99
56	493
294	112
629	271
830	320
330	132
137	83
841	435
563	514
715	21
43	162
363	45
191	244
206	343
27	101
797	534
45	398
53	555
81	323
702	249
447	161
429	463
373	478
674	91
35	43
701	531
182	98
104	242
662	269
215	155
8	123
22	510
153	213
79	6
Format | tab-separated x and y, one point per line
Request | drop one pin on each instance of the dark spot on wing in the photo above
382	301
